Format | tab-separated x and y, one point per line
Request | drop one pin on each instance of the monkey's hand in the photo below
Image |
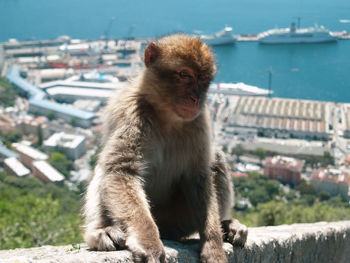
147	250
235	232
106	239
212	252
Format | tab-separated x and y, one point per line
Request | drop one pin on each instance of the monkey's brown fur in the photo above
157	175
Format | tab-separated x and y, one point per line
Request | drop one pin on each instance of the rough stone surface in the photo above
307	243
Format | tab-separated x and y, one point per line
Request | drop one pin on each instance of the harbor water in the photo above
313	71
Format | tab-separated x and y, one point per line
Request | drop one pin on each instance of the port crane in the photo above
107	31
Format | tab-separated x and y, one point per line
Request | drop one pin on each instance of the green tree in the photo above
8	94
61	163
74	122
324	196
261	153
50	115
306	188
40	135
238	151
10	136
94	157
36	214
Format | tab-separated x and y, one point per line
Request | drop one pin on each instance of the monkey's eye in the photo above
184	74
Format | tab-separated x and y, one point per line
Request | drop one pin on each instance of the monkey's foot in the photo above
234	232
106	239
152	251
212	253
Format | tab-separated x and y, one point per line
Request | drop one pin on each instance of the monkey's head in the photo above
178	71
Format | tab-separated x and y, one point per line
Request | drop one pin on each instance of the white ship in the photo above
223	37
239	89
293	35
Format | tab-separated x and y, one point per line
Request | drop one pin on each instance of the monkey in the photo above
158	175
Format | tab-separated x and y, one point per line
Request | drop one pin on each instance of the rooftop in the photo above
16	166
29	151
56	107
64	140
51	173
331	175
287	162
74	91
14	77
7	152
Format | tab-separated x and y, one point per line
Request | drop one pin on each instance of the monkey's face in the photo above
188	95
182	67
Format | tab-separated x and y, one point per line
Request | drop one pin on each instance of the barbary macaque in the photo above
158	175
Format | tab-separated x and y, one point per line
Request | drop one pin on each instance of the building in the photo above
65	112
88	105
332	181
27	154
6	153
31	127
285	169
73	146
14	167
346	122
39	104
45	172
87	86
277	117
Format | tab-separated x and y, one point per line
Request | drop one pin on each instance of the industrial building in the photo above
277	117
82	118
86	86
38	103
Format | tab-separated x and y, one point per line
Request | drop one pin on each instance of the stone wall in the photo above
307	243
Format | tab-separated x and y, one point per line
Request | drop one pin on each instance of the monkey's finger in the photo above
104	242
117	236
160	259
240	238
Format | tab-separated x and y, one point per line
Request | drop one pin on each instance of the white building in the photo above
46	172
72	145
28	154
15	167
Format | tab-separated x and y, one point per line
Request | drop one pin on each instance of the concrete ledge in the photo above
319	242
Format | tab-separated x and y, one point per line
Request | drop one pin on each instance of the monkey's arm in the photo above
122	194
201	196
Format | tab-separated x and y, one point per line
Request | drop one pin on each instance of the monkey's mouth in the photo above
188	109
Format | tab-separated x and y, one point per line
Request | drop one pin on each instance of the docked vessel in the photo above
223	37
239	89
293	35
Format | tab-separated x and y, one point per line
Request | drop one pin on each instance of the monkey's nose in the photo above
194	99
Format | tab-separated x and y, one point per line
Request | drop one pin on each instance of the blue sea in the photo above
314	71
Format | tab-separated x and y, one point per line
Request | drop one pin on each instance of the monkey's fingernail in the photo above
122	241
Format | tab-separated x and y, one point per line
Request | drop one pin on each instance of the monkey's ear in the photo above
151	53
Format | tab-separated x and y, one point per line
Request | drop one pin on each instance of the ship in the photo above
293	35
223	37
239	89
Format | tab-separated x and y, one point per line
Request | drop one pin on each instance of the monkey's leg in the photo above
117	212
100	233
234	232
124	199
201	198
